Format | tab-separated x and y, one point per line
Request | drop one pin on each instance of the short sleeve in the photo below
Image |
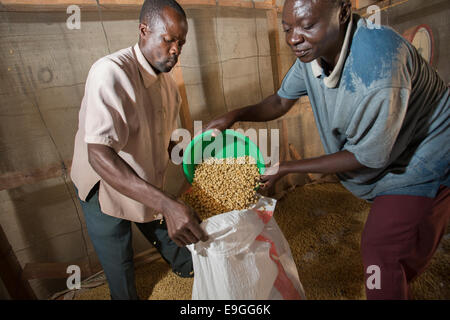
375	126
106	98
293	85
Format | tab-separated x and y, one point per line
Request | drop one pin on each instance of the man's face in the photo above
311	28
162	42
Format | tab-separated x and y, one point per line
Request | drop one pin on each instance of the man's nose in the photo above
175	49
296	39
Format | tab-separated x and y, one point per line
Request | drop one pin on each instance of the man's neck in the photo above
329	61
157	72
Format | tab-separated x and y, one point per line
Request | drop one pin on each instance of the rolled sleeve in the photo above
293	85
375	126
106	121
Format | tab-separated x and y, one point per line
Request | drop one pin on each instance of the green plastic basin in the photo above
204	146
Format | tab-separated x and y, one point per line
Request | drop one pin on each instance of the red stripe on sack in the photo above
282	283
264	215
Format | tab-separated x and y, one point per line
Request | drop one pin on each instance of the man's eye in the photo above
308	27
287	30
167	40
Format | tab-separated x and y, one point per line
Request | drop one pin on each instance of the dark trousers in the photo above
400	237
111	238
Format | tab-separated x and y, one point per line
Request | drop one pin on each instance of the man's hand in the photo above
183	224
222	123
342	161
271	176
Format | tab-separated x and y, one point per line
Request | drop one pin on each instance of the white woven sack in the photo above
246	258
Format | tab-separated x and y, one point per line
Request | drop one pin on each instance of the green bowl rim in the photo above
227	131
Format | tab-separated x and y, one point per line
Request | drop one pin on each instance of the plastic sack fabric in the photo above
246	257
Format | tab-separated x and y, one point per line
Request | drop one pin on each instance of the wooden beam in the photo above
274	42
11	180
61	5
267	5
137	4
294	152
358	4
383	5
235	3
11	271
58	270
54	270
45	5
197	2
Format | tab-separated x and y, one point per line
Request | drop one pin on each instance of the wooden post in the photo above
274	40
11	272
185	114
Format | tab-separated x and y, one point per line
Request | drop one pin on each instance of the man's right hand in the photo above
222	123
183	224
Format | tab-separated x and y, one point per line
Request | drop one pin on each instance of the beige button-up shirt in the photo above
129	108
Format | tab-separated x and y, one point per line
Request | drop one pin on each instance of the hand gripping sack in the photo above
246	257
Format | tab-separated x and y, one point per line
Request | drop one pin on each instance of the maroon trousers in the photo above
399	239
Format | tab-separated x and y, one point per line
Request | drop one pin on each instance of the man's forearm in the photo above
119	175
269	109
342	161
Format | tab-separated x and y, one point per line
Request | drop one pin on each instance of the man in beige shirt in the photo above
121	153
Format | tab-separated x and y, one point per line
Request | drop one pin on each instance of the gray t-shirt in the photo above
389	108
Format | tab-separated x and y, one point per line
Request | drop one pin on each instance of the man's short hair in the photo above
152	9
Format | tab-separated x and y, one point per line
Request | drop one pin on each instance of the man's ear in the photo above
346	11
143	30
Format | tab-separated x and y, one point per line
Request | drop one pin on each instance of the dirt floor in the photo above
323	225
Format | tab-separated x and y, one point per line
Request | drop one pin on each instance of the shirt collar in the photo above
148	74
332	80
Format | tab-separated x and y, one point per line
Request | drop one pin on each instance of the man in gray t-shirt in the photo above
383	116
